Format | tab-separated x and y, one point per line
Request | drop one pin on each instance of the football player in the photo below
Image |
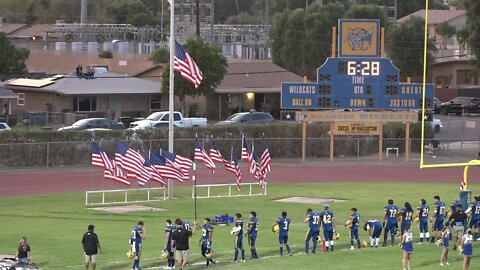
374	228
355	219
390	220
438	218
474	209
136	237
422	213
313	219
169	227
284	225
326	218
407	215
238	241
207	233
251	233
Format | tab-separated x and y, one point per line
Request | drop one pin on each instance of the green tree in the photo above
160	55
132	12
301	39
209	60
471	33
445	30
366	12
12	59
405	45
405	8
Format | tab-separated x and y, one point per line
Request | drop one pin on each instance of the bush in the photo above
105	54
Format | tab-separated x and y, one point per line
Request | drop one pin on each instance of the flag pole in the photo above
194	178
171	99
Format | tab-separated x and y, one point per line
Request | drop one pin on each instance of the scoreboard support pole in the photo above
304	138
407	142
380	143
331	140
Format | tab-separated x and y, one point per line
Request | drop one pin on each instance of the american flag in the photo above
215	154
165	171
266	165
186	66
178	161
155	174
254	168
100	158
132	162
463	185
202	156
232	166
245	150
116	174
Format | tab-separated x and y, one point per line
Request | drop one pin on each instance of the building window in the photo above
85	104
156	103
21	99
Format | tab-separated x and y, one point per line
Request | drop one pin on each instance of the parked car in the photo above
4	127
437	125
437	105
94	123
178	119
248	118
149	125
461	105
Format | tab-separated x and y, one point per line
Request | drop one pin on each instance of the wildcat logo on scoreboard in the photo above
359	38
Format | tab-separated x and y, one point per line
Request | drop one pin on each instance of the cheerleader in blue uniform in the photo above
445	238
466	245
407	247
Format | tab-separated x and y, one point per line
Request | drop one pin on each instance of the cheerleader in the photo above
407	247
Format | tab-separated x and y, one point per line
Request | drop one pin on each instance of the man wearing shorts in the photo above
91	246
458	220
180	237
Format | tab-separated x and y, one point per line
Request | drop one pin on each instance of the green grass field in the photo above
55	224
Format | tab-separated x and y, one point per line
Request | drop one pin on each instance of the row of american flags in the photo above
129	165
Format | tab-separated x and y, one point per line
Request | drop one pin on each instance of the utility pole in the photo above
83	12
161	24
212	21
267	28
197	15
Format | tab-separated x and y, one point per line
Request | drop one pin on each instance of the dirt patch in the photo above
127	208
309	200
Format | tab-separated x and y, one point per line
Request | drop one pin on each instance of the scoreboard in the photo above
356	83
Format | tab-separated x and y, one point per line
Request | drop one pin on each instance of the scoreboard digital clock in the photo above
356	83
363	68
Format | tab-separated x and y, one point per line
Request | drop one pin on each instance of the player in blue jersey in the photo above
251	233
474	211
422	214
374	228
390	219
407	247
186	225
238	241
136	237
313	219
438	217
355	220
407	216
206	240
326	217
284	226
169	227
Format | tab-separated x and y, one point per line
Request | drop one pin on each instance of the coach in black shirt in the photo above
91	246
180	237
458	220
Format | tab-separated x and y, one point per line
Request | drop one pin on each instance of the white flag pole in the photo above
171	99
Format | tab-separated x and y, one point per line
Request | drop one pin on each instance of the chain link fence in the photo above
48	154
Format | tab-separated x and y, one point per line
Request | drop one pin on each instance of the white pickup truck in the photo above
162	117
